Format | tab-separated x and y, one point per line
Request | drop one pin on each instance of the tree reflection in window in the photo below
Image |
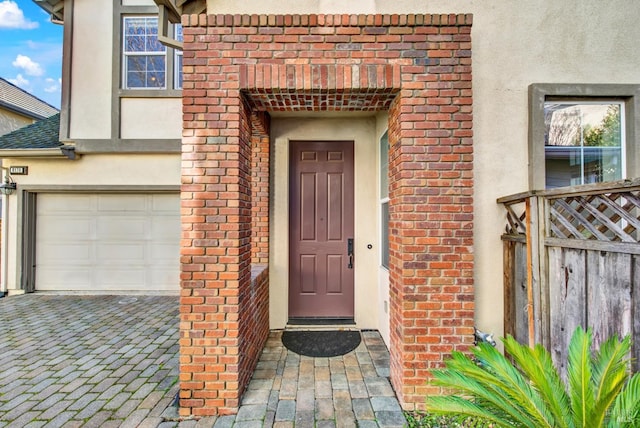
145	60
583	142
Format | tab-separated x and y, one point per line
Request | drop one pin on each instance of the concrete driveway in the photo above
93	361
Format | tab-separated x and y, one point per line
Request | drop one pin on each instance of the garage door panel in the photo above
64	252
167	206
162	277
74	280
122	203
65	227
121	227
108	242
123	278
69	204
165	228
164	252
125	254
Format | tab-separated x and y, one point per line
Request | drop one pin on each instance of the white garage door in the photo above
107	242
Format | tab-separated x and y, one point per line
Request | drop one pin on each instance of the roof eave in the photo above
55	8
22	111
32	153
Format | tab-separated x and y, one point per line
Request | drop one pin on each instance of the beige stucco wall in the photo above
147	118
362	131
10	121
91	70
88	173
515	44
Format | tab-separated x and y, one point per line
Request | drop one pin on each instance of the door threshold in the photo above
312	323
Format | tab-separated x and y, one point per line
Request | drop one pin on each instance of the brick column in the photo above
431	210
216	244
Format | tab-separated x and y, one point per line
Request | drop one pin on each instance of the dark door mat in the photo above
321	343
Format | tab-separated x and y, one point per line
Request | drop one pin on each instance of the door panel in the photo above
321	221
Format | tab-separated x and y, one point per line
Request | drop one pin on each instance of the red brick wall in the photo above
238	66
260	187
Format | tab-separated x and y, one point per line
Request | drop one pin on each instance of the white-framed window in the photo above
384	200
584	142
177	69
144	57
582	133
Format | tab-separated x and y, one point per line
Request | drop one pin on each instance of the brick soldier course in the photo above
237	68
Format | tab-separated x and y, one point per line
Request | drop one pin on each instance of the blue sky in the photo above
30	49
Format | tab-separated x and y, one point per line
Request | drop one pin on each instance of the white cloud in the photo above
20	81
52	85
11	16
28	65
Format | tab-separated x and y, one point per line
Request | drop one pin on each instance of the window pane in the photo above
145	71
141	35
562	124
134	44
384	224
563	166
178	65
384	166
601	164
583	142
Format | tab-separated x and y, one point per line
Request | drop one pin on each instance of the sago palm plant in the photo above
491	391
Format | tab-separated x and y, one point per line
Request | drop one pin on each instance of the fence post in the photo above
533	266
543	320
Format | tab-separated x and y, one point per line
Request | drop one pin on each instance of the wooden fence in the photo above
572	257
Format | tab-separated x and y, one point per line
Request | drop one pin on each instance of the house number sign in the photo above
19	170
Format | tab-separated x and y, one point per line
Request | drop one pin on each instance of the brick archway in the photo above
237	69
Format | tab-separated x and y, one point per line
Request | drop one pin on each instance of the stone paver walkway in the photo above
92	361
288	390
111	361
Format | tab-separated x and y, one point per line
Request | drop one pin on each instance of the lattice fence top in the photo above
606	212
613	217
516	215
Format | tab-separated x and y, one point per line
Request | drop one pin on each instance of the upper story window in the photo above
145	62
582	134
583	142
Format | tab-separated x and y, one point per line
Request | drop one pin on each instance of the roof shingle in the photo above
42	134
18	100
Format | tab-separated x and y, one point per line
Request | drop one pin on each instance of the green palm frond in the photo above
579	377
467	379
537	366
626	407
465	409
515	383
529	392
610	365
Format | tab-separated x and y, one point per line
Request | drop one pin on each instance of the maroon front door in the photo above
321	228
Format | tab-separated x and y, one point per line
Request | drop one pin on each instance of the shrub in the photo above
492	391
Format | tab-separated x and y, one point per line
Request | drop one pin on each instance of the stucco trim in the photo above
99	188
129	146
67	55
